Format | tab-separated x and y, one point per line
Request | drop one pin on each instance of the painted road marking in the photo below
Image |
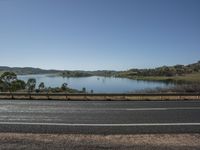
103	109
133	109
167	108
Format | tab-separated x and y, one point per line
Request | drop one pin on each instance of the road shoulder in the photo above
81	141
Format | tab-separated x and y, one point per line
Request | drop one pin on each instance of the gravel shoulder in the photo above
106	142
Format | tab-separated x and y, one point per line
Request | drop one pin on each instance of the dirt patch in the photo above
72	141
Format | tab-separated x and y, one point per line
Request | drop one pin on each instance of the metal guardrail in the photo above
97	94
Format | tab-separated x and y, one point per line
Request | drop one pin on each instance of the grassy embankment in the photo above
187	78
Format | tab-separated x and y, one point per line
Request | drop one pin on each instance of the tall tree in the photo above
31	83
1	86
64	86
7	78
17	85
41	86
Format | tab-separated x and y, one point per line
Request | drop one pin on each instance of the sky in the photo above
99	34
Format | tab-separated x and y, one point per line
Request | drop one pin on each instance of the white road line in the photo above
136	109
132	109
167	108
107	109
101	125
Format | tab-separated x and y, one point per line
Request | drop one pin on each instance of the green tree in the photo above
17	85
1	86
84	90
41	86
7	78
31	83
64	86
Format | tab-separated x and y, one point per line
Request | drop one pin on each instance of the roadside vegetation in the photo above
10	83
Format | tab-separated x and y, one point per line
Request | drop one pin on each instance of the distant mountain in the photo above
27	70
160	71
64	73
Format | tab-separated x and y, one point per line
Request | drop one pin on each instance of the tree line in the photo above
10	83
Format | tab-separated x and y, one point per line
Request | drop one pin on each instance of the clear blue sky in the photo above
99	34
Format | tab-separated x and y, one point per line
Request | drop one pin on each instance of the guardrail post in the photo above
124	97
47	95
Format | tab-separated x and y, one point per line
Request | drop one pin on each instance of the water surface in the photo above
96	83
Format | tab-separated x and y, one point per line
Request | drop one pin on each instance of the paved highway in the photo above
99	117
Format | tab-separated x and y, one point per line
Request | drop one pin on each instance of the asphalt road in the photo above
99	117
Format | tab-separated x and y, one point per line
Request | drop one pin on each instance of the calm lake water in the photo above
97	84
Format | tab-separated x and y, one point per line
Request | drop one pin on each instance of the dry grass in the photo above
192	78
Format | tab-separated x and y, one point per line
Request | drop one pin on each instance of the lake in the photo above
96	83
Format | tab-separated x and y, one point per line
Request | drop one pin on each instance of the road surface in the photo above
99	117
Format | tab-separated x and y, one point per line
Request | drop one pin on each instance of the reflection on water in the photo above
96	83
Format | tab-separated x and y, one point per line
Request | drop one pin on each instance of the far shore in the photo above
176	74
188	78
